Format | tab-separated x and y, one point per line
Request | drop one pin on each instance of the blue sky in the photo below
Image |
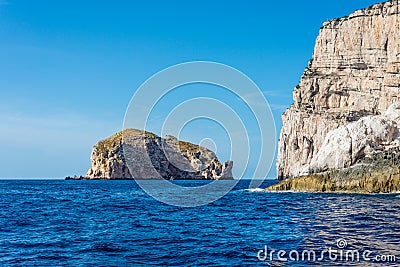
69	68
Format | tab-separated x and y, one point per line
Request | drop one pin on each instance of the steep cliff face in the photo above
354	73
153	157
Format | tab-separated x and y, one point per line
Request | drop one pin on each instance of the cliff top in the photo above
114	141
379	9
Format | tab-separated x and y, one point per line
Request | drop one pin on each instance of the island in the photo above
138	154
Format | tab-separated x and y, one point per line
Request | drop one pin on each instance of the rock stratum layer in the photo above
136	154
345	107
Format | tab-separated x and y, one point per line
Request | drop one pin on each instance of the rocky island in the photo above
137	154
342	132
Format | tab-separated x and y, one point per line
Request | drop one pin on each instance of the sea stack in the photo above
343	128
137	154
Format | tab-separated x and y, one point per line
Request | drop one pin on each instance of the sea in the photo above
116	223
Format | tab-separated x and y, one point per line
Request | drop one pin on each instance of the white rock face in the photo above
354	73
342	147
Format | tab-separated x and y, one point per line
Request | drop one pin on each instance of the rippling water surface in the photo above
114	223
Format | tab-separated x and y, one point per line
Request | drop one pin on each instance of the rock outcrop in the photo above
377	173
346	145
353	76
136	154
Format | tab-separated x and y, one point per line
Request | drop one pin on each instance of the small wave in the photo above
255	190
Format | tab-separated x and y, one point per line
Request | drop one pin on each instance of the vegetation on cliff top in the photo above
113	142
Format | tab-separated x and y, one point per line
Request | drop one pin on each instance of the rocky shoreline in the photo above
379	174
80	177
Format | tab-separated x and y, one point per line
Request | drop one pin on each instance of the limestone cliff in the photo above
152	157
353	73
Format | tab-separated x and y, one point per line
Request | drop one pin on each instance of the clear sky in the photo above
69	68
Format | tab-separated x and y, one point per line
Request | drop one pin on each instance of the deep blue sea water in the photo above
114	223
